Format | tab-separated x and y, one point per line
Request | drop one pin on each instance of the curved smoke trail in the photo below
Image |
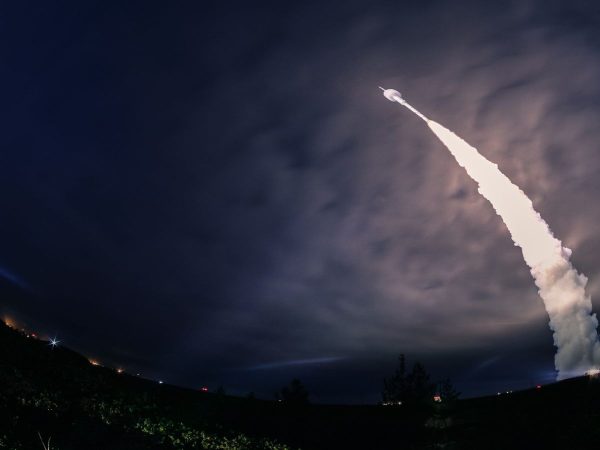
562	289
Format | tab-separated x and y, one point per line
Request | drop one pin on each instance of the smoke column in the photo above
560	286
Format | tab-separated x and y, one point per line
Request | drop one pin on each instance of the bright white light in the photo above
53	342
562	289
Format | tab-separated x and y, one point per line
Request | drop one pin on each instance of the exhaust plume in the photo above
561	287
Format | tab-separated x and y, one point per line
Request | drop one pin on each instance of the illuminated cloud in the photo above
235	190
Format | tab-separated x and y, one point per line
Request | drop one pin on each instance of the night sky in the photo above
218	194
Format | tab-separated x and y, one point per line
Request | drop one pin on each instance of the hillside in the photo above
57	393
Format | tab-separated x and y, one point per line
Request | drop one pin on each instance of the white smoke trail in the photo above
562	289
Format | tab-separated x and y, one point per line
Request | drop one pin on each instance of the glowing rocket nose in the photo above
392	95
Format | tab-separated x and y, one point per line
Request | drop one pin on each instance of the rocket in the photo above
394	96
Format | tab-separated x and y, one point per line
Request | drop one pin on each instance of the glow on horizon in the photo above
295	362
14	279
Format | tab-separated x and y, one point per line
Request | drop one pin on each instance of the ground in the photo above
57	393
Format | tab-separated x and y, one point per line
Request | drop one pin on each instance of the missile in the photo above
394	96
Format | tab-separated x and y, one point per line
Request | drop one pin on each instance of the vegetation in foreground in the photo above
57	395
54	393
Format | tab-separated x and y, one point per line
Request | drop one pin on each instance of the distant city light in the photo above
437	398
160	382
53	342
94	362
119	370
204	389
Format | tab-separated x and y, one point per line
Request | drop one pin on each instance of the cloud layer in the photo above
229	184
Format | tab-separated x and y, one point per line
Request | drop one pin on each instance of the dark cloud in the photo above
195	189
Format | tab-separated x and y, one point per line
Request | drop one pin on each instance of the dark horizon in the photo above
469	386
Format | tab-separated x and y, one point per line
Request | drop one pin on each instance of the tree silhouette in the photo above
420	388
447	393
294	394
395	387
412	389
445	405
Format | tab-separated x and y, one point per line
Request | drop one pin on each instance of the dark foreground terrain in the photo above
59	394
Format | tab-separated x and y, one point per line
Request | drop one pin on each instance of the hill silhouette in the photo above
58	393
